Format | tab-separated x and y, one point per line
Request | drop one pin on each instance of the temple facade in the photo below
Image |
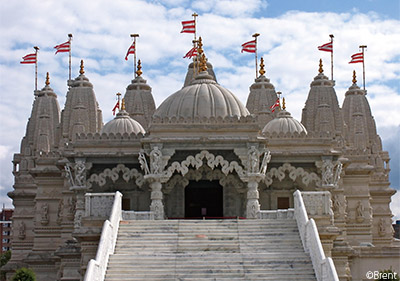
201	154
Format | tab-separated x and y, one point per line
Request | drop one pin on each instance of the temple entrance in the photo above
203	199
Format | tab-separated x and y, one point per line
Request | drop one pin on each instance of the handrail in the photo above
96	269
323	266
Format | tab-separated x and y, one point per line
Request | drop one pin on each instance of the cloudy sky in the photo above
290	33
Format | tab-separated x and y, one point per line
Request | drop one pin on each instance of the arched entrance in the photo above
203	198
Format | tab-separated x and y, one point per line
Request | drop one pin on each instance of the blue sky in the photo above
290	33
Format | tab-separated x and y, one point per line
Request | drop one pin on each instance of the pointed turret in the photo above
81	113
41	134
139	100
321	112
361	128
262	96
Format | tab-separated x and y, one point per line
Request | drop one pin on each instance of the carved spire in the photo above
47	79
139	68
82	71
321	69
262	70
354	77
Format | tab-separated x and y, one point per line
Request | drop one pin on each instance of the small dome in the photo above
284	123
122	123
203	98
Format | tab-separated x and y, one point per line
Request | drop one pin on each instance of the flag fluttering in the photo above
328	47
189	26
131	50
191	53
30	58
115	107
275	105
358	57
249	47
63	48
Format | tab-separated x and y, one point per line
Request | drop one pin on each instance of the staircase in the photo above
268	249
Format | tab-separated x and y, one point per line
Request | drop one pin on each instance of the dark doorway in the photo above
283	202
203	199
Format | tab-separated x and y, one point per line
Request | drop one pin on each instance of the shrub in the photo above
24	274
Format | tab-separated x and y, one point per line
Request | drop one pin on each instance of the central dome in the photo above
203	98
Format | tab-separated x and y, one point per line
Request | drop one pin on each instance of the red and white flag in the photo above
115	108
359	57
131	50
30	58
275	105
191	53
63	48
188	26
249	47
328	47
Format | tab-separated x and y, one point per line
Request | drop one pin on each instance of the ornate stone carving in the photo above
98	204
156	161
21	231
59	211
71	208
360	212
143	163
127	174
78	176
253	161
382	227
44	214
318	203
330	172
294	173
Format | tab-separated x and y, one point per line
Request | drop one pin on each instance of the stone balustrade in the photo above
323	266
96	269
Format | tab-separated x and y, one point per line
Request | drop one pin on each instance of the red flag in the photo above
131	50
63	48
115	108
191	53
359	57
30	58
328	47
188	26
249	47
275	105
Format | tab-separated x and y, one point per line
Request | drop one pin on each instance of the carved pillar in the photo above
253	205
157	205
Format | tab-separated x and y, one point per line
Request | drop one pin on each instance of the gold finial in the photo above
123	104
262	70
82	71
354	77
47	79
200	46
321	70
283	104
203	62
139	68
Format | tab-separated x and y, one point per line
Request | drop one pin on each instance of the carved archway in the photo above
114	174
294	174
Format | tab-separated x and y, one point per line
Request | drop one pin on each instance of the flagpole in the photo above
70	48
255	35
195	60
134	54
36	64
362	48
194	15
331	35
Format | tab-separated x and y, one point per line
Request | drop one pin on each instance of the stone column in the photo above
253	205
157	205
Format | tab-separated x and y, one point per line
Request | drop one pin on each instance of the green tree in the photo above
24	274
5	257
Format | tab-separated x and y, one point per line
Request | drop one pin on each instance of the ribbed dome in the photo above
284	123
122	123
203	98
